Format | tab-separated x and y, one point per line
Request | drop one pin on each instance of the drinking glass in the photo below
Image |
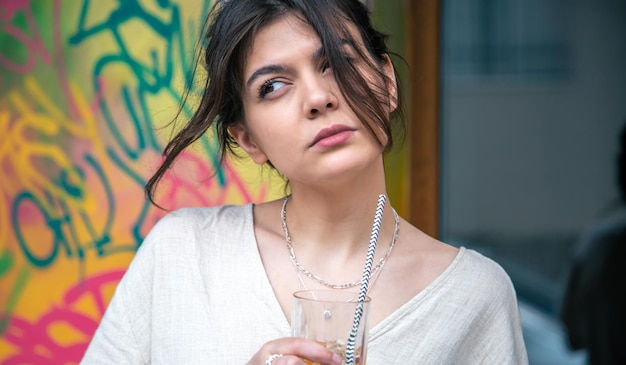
328	317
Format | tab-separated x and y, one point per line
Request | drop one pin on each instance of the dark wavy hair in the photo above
230	30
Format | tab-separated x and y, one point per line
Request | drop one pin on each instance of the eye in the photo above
269	87
349	53
325	65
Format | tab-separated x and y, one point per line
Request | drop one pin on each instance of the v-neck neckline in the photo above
283	321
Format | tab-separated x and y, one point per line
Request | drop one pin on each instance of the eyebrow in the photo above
273	69
266	70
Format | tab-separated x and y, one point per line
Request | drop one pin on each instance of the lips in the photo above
330	131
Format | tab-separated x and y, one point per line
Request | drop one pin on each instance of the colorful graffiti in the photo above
87	91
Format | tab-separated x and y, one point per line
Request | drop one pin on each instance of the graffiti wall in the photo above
87	91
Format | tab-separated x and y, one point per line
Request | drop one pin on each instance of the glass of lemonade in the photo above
328	317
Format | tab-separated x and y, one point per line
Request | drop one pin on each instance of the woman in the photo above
307	87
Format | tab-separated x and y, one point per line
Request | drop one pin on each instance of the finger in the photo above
310	350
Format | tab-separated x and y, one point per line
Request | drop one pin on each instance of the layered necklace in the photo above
316	278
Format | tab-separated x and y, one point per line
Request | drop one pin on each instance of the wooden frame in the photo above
423	106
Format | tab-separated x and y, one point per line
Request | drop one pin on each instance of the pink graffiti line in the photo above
93	287
34	342
181	188
33	42
235	179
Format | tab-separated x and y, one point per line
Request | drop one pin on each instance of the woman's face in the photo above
294	114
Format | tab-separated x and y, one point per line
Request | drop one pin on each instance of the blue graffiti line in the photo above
55	224
146	203
63	220
209	145
150	79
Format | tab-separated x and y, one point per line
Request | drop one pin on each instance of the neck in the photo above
336	224
333	206
332	221
371	254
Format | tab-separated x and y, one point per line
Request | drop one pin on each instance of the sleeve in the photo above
124	333
508	326
497	326
114	341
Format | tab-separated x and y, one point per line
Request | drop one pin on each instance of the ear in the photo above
246	142
392	83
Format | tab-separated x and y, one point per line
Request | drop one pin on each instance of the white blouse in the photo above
197	293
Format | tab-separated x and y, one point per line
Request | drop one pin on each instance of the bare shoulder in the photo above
267	216
416	262
430	253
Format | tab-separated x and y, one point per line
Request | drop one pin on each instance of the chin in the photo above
346	167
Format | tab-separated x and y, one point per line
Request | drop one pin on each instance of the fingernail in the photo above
337	359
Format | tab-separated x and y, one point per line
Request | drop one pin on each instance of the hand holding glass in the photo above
328	317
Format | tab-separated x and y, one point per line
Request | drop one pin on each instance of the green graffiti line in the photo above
62	223
208	145
150	78
6	262
137	235
18	288
55	224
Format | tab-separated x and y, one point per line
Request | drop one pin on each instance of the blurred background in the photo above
533	102
530	99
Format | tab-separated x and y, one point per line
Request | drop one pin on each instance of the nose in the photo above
320	95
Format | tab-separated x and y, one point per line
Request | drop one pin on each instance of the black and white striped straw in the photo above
367	271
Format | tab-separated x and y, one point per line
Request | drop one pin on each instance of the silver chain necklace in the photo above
316	278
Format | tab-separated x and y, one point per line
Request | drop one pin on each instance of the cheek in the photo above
271	124
262	134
